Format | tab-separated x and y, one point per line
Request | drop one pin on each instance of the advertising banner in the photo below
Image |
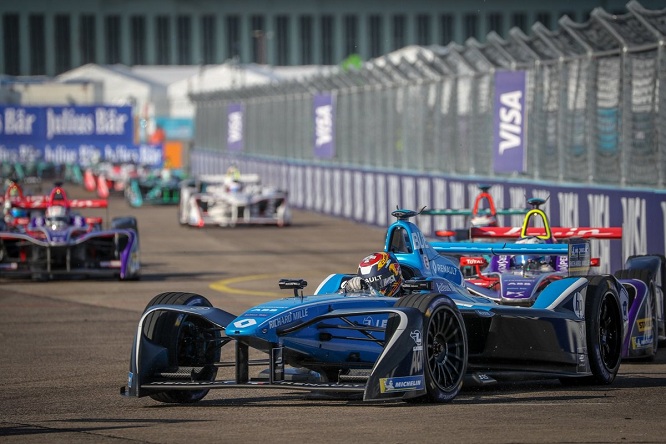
84	154
324	126
509	129
235	127
176	128
81	135
66	125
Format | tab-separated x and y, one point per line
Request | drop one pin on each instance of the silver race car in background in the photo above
232	199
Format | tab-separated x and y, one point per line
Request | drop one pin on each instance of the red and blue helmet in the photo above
381	272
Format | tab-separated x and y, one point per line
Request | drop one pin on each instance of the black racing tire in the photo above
657	264
646	276
125	222
189	341
603	329
444	345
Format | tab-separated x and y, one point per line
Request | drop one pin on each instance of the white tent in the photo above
122	86
228	76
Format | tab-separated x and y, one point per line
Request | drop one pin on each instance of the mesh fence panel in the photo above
641	130
595	109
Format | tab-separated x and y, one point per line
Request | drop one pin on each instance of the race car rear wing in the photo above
546	232
576	254
543	232
58	197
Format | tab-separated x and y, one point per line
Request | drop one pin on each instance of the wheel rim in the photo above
446	349
195	347
610	337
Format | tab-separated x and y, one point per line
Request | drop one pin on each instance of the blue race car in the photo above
418	347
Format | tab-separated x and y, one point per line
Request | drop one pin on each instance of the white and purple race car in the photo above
56	241
518	279
230	200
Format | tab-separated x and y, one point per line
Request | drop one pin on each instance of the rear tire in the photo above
444	344
647	277
125	222
603	328
189	340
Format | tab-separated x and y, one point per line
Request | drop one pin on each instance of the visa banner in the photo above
235	127
509	126
324	126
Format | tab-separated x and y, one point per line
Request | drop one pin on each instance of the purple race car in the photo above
518	279
56	241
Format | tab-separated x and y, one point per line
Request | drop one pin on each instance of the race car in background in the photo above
482	214
418	347
154	187
232	199
57	241
106	177
13	217
517	280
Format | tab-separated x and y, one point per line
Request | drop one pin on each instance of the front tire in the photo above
603	324
190	342
445	345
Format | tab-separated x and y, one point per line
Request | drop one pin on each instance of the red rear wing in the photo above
58	197
557	232
41	203
88	203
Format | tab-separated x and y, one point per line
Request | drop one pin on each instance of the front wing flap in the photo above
99	253
398	371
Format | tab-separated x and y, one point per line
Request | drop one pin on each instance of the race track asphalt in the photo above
66	345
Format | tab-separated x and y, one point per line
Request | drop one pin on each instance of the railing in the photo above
595	111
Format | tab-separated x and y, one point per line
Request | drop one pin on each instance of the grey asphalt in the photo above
66	345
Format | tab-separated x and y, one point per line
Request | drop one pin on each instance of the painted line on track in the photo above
224	286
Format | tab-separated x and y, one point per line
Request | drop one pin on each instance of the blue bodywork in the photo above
332	332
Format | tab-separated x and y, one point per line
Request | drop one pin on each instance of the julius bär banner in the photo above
81	135
66	125
509	129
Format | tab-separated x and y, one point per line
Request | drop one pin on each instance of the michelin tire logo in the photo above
403	384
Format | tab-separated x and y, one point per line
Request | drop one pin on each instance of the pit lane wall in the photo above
368	196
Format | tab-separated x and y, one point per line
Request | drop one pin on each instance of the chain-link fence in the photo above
595	111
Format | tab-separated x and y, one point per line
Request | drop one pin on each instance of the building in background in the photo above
44	37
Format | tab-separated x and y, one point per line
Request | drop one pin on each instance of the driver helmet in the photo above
530	261
233	172
381	272
484	220
234	187
57	217
19	212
